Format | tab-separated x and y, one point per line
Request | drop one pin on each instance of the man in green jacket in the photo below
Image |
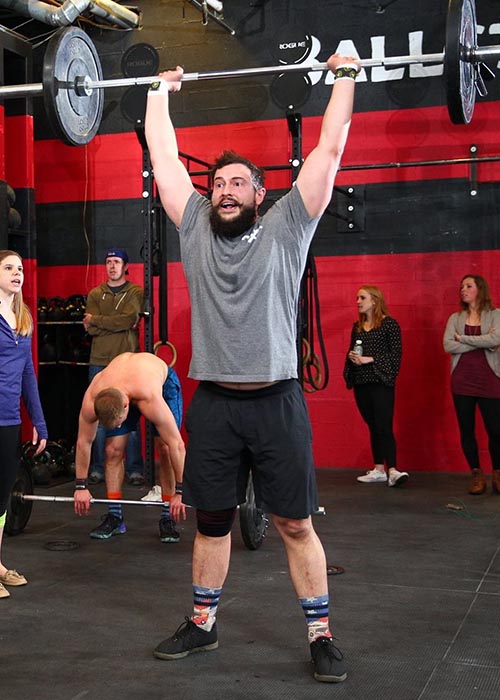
112	318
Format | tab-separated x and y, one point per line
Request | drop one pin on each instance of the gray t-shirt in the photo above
244	291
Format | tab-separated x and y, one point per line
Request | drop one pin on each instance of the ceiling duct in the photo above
66	13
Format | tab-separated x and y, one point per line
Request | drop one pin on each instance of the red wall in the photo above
68	174
421	291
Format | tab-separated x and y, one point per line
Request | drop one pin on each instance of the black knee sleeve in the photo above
215	523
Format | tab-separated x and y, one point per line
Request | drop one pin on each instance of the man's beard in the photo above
236	226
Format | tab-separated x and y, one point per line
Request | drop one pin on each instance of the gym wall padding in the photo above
420	229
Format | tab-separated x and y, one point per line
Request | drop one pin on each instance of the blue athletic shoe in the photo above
110	525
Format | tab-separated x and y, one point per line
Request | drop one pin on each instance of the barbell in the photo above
253	520
22	499
72	85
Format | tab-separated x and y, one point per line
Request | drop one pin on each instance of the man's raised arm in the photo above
317	175
172	179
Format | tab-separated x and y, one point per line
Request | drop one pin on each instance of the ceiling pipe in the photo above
55	16
111	11
70	10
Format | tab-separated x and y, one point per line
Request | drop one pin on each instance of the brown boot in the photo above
478	482
495	481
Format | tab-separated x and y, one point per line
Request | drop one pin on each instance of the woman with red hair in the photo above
372	374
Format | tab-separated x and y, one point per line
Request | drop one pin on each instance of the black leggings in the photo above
10	454
376	405
465	407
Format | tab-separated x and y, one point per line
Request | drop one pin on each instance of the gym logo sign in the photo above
295	45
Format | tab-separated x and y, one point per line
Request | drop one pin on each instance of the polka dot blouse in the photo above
384	345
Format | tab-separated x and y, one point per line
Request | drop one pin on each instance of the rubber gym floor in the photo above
416	611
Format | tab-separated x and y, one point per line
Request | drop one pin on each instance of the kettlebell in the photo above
75	307
55	309
47	349
42	309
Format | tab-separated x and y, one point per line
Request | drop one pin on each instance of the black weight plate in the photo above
290	90
139	60
292	44
19	511
460	73
133	103
253	520
70	55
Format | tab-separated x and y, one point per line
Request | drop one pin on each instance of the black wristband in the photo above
345	72
178	487
158	87
81	484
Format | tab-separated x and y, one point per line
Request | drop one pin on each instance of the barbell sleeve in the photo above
12	91
482	53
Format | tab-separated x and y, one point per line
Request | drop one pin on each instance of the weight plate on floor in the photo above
253	520
460	72
61	545
19	511
70	55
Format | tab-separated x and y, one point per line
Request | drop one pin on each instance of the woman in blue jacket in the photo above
17	379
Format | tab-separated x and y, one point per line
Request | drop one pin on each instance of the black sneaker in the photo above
168	533
328	661
136	479
96	478
110	525
187	639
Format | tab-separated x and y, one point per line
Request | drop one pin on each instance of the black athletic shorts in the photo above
267	431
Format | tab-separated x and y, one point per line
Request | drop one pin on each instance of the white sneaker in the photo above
373	476
397	478
153	495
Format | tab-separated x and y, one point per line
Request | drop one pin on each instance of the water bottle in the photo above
358	347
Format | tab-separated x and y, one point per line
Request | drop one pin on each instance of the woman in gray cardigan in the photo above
472	337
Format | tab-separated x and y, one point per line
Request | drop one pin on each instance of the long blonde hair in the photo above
24	320
379	308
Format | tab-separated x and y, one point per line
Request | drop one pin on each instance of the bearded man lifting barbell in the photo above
132	384
243	273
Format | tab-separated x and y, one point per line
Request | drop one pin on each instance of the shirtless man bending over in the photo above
132	384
